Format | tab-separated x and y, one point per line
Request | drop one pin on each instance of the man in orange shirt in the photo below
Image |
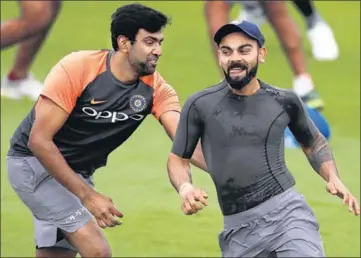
91	103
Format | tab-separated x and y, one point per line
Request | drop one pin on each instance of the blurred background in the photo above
136	177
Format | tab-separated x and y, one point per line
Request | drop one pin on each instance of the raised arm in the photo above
318	152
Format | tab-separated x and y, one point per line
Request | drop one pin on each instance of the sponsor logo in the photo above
75	215
95	102
111	115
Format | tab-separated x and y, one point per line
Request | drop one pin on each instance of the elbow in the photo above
170	161
35	143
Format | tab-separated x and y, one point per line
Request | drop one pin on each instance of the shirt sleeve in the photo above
190	129
63	84
301	125
165	98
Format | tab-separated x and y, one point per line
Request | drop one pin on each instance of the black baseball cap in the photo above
248	28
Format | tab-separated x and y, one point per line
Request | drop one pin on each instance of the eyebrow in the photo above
242	46
154	38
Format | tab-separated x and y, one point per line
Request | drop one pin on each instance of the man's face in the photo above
145	51
239	56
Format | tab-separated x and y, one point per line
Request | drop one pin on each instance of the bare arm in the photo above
49	118
180	177
170	121
320	157
318	152
179	171
313	143
61	90
167	110
185	130
187	135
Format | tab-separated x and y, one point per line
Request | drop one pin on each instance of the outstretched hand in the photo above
336	187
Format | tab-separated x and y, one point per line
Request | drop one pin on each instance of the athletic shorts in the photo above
283	226
54	208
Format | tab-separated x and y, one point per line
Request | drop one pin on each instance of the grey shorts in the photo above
283	226
54	208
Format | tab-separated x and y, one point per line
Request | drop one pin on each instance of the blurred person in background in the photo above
217	14
319	32
29	31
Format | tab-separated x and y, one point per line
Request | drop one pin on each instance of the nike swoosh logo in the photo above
94	102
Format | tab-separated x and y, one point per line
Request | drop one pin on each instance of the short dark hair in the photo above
128	19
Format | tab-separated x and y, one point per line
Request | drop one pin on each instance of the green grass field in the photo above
136	175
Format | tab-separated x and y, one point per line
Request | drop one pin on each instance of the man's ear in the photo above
123	44
262	55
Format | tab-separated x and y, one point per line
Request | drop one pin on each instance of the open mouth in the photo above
237	70
237	67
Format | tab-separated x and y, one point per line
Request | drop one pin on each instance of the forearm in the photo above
320	156
51	158
198	158
178	171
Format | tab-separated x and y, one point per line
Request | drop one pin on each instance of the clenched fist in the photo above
193	199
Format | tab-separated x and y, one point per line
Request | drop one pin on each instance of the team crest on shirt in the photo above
138	103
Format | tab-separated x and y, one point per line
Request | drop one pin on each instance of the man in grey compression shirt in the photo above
241	123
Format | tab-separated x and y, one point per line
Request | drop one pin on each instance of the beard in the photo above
145	68
238	83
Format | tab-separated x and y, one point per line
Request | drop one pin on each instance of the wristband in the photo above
183	186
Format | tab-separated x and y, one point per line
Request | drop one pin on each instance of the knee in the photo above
43	23
293	46
102	250
41	18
